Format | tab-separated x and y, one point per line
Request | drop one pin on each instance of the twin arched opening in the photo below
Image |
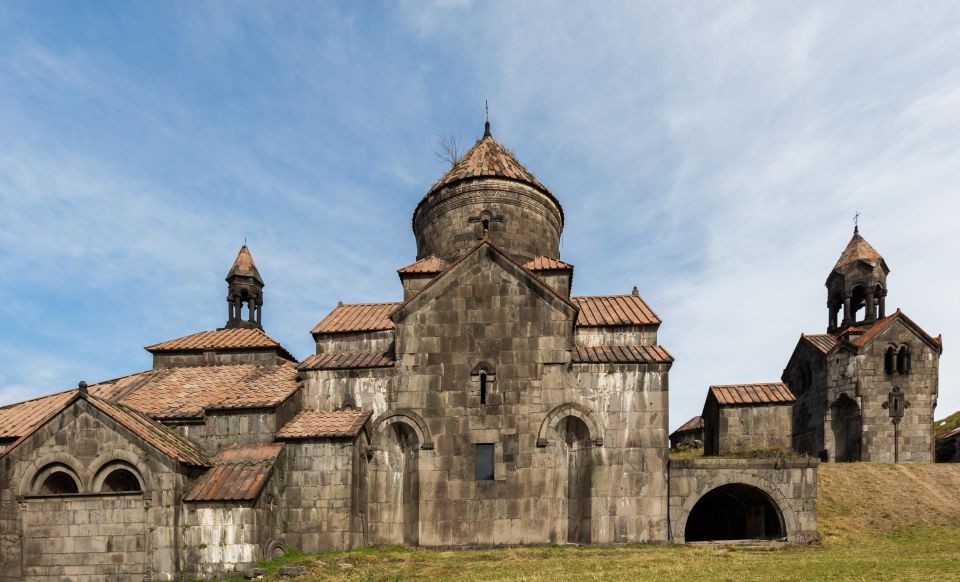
58	478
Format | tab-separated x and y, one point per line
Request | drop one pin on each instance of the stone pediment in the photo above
485	256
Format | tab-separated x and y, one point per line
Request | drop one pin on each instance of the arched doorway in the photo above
578	449
735	512
845	429
394	502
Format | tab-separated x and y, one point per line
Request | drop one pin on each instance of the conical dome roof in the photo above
488	159
858	249
243	266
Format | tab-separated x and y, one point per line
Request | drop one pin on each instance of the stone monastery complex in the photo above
488	406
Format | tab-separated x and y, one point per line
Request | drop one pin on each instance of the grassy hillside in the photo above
878	522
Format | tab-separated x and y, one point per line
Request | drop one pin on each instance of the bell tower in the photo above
857	286
244	288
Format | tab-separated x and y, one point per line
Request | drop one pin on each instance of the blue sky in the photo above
713	154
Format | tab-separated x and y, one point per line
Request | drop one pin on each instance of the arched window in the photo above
56	479
120	481
483	386
117	477
903	360
889	360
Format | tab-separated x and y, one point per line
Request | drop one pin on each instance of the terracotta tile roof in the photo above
547	264
877	328
160	437
772	392
427	265
858	249
488	159
620	355
236	338
346	362
172	393
17	420
357	317
316	424
239	473
614	310
822	341
163	438
244	266
695	423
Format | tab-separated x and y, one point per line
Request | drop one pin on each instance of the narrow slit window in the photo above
484	457
483	387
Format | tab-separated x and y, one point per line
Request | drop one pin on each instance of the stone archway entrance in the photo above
845	429
735	511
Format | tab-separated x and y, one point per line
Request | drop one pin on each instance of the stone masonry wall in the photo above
264	357
530	227
85	440
367	342
920	390
587	337
747	428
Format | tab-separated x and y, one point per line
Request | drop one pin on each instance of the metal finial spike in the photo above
486	126
856	223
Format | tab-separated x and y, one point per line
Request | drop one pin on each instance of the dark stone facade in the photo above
843	380
495	409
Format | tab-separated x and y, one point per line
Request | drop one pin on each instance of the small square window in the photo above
484	459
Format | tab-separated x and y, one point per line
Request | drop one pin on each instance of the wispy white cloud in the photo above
714	155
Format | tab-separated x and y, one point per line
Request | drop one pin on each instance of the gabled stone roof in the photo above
346	318
547	264
346	362
240	473
234	338
243	266
766	393
694	424
317	424
614	310
428	266
155	434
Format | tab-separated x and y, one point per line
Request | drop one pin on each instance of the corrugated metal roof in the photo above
822	341
695	423
614	310
225	339
357	317
239	473
317	424
547	264
620	355
766	393
427	265
346	362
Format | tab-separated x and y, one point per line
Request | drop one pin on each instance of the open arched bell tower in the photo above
244	289
857	282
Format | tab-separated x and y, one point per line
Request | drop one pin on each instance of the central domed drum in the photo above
488	193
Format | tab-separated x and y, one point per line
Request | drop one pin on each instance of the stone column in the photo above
871	308
883	304
847	315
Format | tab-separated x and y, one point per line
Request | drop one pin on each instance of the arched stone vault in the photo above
408	417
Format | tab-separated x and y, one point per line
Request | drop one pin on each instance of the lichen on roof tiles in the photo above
325	424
